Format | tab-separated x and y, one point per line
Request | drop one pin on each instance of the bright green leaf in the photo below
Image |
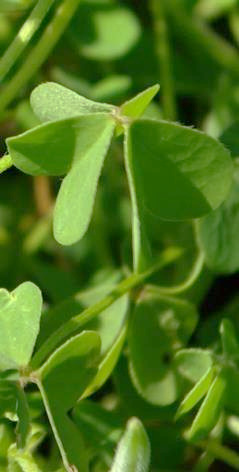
103	31
51	101
135	107
107	364
75	200
197	393
133	451
64	377
158	327
20	313
210	409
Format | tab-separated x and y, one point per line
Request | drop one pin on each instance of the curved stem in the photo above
220	452
76	323
5	163
24	35
190	280
40	52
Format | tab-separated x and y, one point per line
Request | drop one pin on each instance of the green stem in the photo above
220	452
190	280
202	37
40	52
164	60
5	163
76	323
24	36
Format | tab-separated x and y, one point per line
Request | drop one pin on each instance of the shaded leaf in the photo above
158	327
193	363
229	339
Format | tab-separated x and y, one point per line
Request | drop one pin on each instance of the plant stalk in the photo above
75	324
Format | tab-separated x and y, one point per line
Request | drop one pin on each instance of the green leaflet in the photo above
175	173
136	106
107	364
217	234
51	101
193	363
158	327
20	313
196	394
75	200
210	409
63	379
50	149
133	451
102	31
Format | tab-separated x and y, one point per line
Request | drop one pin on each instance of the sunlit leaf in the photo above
20	313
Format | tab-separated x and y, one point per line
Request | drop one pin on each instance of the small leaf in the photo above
107	364
209	411
158	327
64	377
51	101
135	107
103	31
174	173
21	460
20	313
230	342
196	394
193	364
133	451
75	200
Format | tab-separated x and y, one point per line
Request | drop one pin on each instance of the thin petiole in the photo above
76	323
188	282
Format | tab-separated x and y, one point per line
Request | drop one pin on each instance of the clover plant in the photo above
124	220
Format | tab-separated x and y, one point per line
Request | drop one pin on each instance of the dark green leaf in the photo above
158	327
175	173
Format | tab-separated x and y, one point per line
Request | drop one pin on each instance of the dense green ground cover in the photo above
119	224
